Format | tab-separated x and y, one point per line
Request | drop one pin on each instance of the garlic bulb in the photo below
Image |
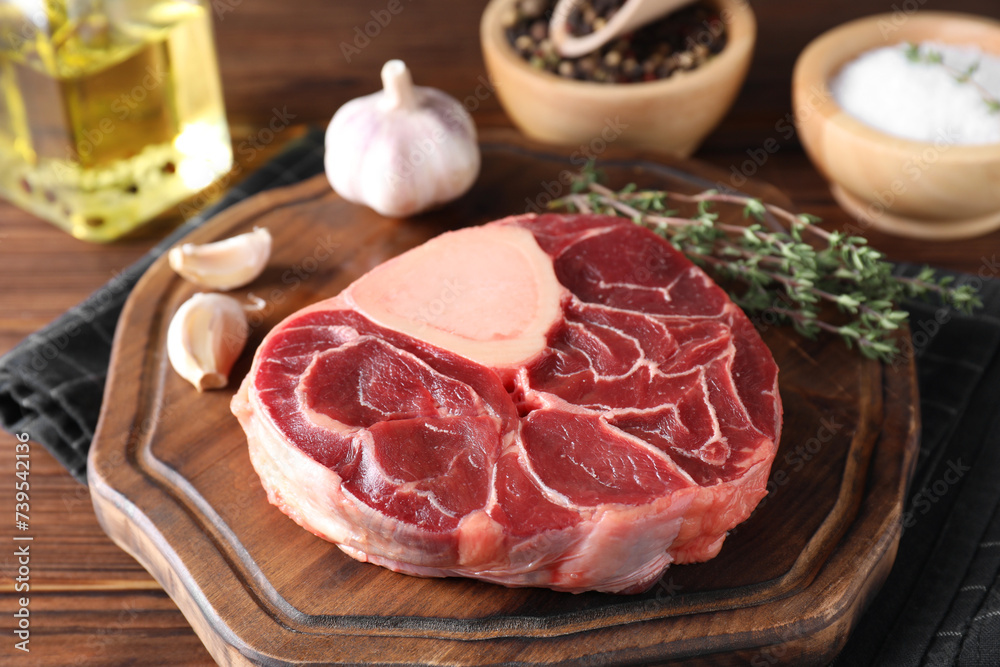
205	337
225	264
402	150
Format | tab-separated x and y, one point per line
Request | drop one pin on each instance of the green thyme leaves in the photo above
779	271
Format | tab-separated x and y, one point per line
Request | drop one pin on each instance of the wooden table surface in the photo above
91	603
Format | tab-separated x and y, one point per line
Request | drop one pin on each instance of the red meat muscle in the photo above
558	401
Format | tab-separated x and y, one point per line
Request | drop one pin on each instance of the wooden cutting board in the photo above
172	482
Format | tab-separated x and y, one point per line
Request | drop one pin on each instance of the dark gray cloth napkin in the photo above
941	603
52	383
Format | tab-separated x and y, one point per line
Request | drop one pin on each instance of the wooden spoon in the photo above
633	14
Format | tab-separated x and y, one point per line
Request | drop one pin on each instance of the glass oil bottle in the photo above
110	110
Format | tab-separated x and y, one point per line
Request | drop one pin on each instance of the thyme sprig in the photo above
931	57
779	270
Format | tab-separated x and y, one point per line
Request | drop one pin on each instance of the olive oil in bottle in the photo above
110	111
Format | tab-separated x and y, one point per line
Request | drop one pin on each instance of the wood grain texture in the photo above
179	493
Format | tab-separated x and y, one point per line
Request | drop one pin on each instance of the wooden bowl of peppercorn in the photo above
665	95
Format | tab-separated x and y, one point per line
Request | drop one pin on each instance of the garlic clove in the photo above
225	264
205	337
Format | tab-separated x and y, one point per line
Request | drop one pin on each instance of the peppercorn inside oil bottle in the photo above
110	111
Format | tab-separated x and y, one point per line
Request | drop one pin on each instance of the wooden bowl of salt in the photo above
900	113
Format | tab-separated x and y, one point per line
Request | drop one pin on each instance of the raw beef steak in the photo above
560	401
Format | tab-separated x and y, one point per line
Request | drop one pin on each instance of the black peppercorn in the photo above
683	40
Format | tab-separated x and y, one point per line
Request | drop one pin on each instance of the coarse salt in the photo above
920	100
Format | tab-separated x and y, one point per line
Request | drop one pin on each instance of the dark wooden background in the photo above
90	602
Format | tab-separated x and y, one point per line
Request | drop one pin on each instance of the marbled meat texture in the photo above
559	400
